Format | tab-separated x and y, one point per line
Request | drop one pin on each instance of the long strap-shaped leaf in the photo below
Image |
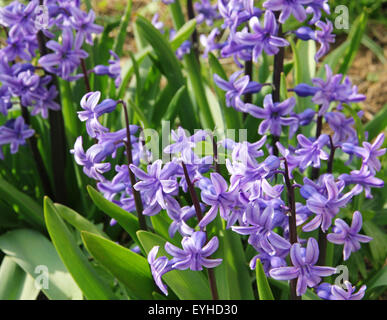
92	286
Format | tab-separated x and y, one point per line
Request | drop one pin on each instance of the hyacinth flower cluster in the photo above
45	41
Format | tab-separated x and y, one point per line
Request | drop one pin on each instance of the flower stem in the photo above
57	134
322	236
292	224
85	75
136	194
38	158
215	150
278	69
199	215
316	171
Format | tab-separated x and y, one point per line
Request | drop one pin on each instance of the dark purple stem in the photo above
292	224
85	75
136	194
199	215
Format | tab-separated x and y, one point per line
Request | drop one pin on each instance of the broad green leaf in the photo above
122	33
264	290
355	37
187	284
92	286
128	267
15	284
237	271
170	67
175	103
183	34
30	249
125	219
28	208
77	221
378	280
378	244
377	124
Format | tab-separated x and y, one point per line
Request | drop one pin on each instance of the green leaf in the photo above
128	267
122	33
284	286
377	124
378	244
125	219
175	103
355	37
28	208
183	34
92	286
378	280
15	284
237	271
187	284
30	249
264	290
77	221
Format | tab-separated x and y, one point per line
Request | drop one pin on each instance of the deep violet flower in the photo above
288	7
15	132
312	152
328	291
324	36
159	266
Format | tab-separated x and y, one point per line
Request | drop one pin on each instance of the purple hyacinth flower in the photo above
342	127
324	37
19	18
113	70
304	90
157	184
66	57
84	24
159	25
326	205
273	115
16	47
260	230
288	7
46	102
235	88
328	291
348	235
179	218
184	141
15	132
91	160
363	178
315	7
312	152
159	267
262	38
206	12
93	110
209	43
369	152
305	33
218	198
5	100
195	253
304	268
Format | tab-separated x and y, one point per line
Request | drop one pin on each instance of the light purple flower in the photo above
369	152
183	142
315	7
84	24
262	38
259	229
348	235
208	42
159	267
324	37
310	153
304	268
218	198
274	115
15	132
206	12
66	57
195	253
342	127
113	70
328	291
288	7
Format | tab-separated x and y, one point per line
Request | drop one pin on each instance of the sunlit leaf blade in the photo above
92	286
30	249
128	267
264	290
